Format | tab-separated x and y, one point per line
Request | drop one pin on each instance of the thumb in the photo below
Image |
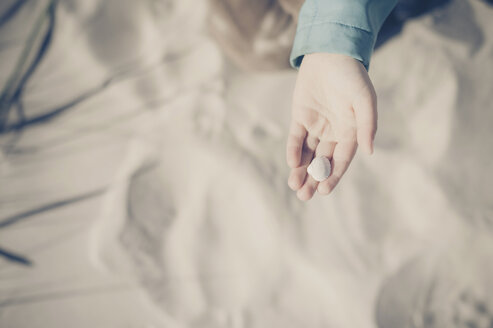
365	112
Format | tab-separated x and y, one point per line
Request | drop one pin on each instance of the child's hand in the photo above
334	110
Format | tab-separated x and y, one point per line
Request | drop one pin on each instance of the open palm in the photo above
334	111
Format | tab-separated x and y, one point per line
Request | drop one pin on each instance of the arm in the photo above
334	106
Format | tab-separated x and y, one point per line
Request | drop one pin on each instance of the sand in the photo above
159	198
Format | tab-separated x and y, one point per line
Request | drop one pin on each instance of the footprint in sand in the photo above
449	289
202	235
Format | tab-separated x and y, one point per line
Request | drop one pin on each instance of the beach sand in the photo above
157	196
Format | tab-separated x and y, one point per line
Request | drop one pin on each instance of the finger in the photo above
294	148
327	132
297	177
309	147
325	148
309	187
298	174
343	154
365	113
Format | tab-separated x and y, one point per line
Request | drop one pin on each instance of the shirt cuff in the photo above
332	37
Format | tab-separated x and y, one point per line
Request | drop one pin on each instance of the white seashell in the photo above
319	168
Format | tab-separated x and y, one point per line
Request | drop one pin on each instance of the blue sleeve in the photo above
348	27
